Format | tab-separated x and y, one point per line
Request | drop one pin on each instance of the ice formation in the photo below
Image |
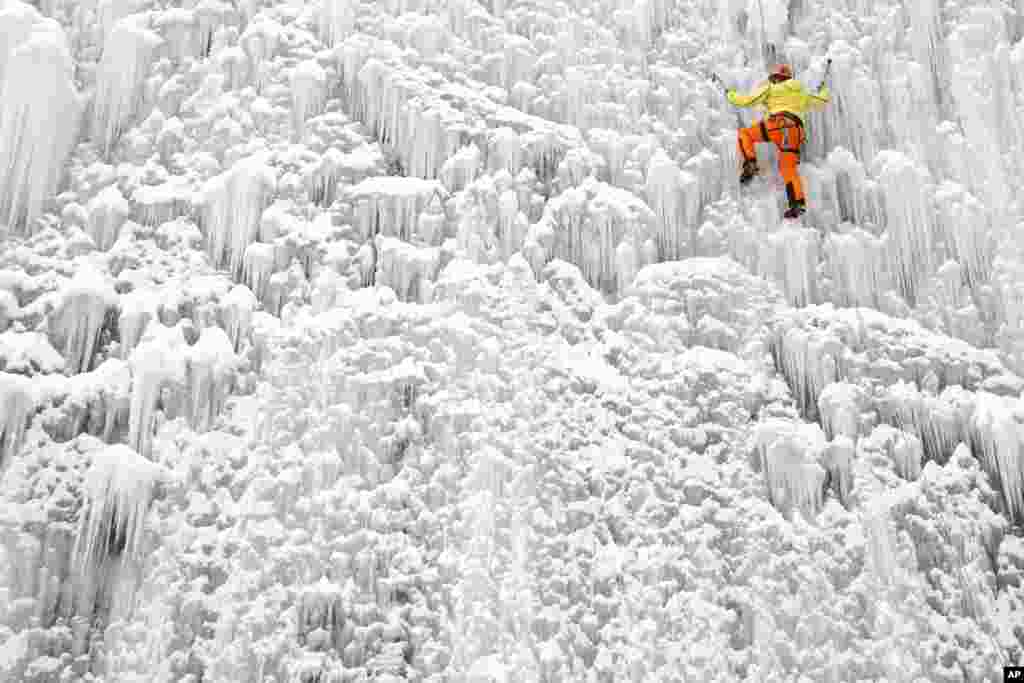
467	357
233	203
39	116
789	458
999	438
119	488
79	316
108	211
157	362
211	365
127	54
17	402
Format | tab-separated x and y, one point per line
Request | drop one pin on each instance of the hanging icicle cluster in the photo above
127	55
79	316
119	488
233	203
39	110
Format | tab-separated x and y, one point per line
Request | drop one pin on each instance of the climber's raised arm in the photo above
753	99
817	101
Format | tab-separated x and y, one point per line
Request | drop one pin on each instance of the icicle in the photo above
235	65
461	169
909	223
408	270
788	452
504	151
854	120
967	226
119	488
997	433
98	401
79	316
600	228
16	404
790	257
808	363
158	360
233	203
210	15
390	205
337	20
177	26
840	405
138	308
39	110
19	20
127	55
838	462
907	456
881	541
431	224
309	93
259	264
940	422
664	194
107	211
236	313
856	263
211	364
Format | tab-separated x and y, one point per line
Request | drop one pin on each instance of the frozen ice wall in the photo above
435	340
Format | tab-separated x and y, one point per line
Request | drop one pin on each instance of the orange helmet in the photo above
781	72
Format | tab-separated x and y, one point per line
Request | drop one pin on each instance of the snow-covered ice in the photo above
433	340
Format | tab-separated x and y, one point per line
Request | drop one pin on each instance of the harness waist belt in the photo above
790	116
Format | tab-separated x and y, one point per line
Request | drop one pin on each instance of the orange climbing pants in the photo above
787	132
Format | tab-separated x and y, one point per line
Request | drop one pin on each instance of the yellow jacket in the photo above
779	97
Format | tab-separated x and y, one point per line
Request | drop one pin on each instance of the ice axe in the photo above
824	76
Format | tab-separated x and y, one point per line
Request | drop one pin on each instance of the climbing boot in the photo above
796	209
749	171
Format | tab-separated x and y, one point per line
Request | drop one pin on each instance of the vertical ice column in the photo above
156	362
854	119
119	488
107	212
839	407
997	431
664	193
767	20
881	544
79	317
337	20
910	224
127	55
39	110
966	224
790	257
788	452
232	204
211	363
138	307
309	93
237	309
856	266
16	403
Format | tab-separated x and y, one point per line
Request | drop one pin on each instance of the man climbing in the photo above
786	102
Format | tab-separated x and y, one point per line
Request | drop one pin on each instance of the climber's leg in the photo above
748	138
788	162
790	139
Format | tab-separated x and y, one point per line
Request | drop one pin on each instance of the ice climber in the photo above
786	102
